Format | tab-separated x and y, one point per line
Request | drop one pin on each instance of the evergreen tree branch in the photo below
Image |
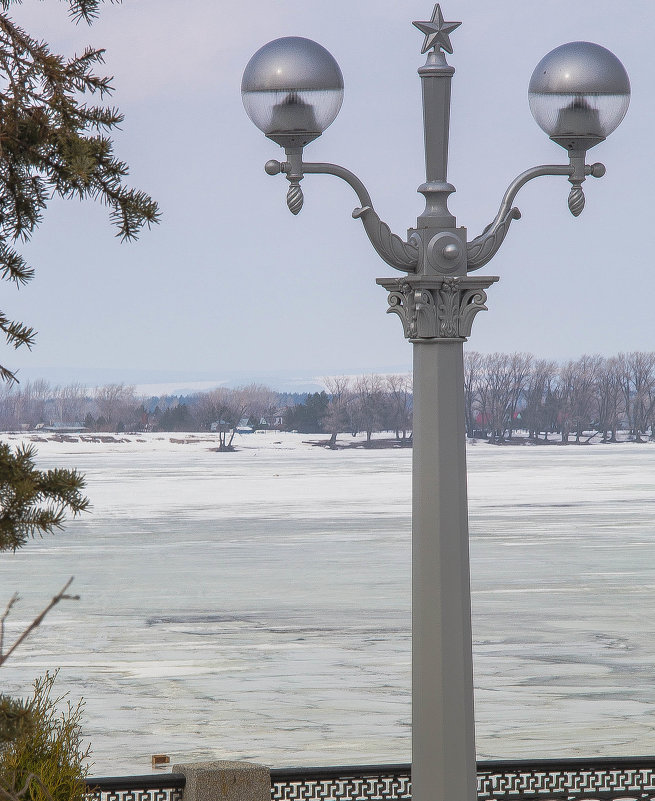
50	145
8	376
16	334
13	266
32	501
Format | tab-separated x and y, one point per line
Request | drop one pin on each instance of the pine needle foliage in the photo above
34	502
55	143
47	761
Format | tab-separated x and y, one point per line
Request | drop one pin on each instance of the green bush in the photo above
46	762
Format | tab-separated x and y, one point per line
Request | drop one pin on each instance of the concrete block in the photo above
225	781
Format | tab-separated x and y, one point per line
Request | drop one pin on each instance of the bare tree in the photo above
338	418
520	367
115	403
8	418
583	393
496	390
227	410
398	389
257	402
473	374
223	409
537	413
610	398
70	402
638	389
28	402
205	408
368	406
563	398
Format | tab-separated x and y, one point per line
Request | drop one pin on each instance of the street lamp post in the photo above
292	90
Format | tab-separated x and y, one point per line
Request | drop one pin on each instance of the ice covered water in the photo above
256	605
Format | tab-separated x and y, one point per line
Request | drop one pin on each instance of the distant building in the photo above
63	428
220	425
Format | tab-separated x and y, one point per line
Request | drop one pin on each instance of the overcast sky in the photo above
231	282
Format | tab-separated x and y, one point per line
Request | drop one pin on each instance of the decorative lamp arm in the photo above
484	247
389	246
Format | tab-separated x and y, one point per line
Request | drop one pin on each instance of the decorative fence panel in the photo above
620	779
593	779
364	783
162	787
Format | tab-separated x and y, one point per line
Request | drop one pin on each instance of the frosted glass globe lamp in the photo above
578	94
292	89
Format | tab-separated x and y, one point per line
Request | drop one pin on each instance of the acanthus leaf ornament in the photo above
472	302
448	308
389	246
484	247
414	307
437	308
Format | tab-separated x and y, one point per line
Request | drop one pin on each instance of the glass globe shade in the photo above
292	87
579	90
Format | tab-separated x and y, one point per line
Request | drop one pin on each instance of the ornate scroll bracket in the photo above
484	247
437	308
390	247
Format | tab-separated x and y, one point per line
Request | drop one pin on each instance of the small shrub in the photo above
46	762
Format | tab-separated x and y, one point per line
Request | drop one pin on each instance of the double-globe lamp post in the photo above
292	90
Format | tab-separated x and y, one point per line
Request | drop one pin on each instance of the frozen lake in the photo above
256	605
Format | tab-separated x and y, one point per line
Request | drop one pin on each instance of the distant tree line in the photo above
505	393
349	405
36	405
506	396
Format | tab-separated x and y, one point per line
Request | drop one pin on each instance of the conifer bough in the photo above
53	143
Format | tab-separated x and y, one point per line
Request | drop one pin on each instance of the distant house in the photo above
275	420
63	428
243	427
220	425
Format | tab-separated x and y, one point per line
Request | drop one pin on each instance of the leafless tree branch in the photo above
62	595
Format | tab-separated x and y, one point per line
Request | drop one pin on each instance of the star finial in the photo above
437	32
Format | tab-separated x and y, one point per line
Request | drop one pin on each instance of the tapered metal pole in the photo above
437	305
443	732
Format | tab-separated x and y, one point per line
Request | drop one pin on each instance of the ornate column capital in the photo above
437	308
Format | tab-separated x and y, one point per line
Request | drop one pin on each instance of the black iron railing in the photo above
357	783
597	779
155	787
602	779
